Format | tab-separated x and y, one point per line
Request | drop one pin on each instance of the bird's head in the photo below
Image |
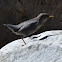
44	16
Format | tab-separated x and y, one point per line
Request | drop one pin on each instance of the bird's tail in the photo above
5	24
12	27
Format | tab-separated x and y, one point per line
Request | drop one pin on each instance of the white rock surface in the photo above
47	50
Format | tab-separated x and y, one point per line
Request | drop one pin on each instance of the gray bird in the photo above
29	27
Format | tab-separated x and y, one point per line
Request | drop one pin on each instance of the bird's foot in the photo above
22	45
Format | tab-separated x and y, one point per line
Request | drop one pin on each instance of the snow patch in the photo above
36	50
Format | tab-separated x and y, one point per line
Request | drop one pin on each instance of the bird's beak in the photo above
51	16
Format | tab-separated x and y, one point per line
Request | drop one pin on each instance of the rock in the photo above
36	50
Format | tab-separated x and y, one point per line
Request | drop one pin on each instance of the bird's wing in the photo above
27	23
28	26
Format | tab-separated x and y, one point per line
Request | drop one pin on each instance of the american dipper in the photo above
28	27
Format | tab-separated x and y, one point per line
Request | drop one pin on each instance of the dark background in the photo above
17	11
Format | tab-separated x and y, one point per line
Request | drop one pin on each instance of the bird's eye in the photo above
45	16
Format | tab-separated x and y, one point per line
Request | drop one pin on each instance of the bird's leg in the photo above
24	42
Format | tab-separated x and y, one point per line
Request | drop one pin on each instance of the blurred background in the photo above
17	11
